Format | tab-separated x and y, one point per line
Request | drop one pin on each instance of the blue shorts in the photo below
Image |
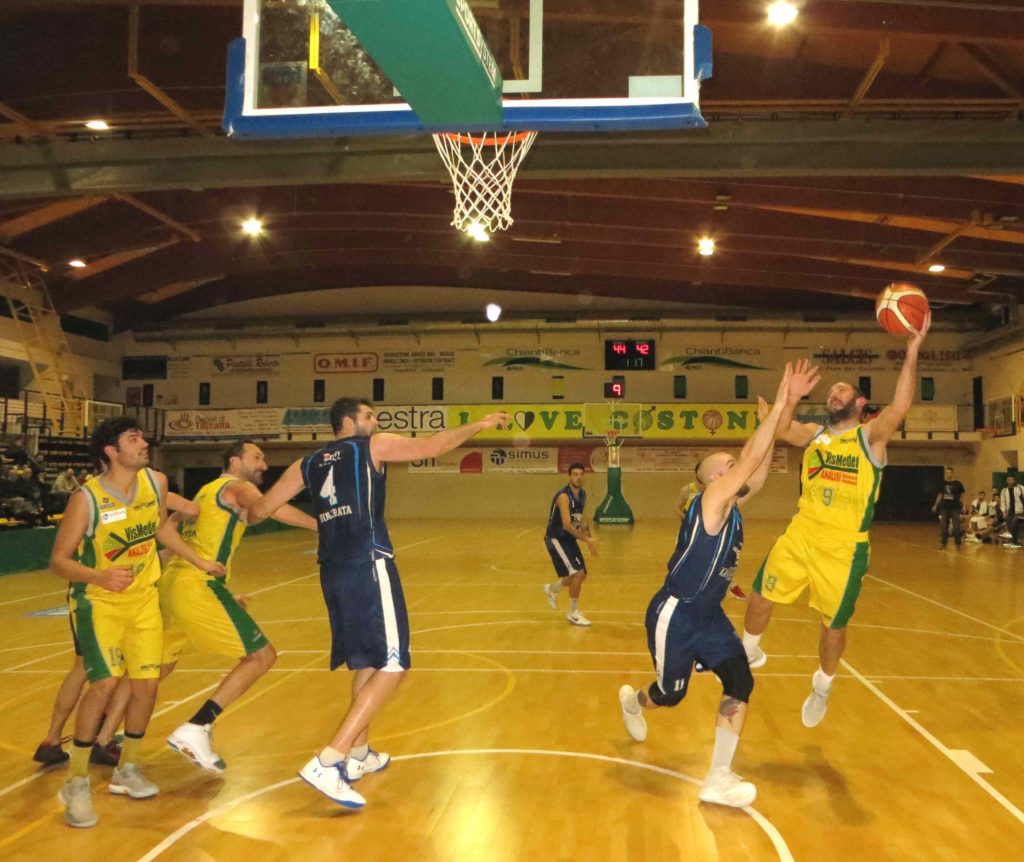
679	634
566	555
366	608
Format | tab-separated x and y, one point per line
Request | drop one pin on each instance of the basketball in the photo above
901	308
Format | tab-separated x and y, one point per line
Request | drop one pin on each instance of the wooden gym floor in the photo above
507	738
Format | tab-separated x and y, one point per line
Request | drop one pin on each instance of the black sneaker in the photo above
50	754
105	755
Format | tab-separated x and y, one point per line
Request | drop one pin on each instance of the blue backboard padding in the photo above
518	116
702	53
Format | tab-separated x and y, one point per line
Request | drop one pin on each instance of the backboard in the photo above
298	71
615	420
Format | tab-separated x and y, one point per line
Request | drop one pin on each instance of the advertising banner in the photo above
254	422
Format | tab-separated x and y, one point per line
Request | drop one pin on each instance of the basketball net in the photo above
483	168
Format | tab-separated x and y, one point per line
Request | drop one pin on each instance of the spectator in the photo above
981	520
950	504
1011	501
63	487
16	453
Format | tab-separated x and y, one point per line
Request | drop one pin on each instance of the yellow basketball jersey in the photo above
122	533
692	492
839	480
216	531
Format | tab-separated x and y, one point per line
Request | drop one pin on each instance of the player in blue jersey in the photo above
365	605
685	621
566	529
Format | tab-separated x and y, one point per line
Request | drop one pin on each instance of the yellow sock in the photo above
79	765
130	750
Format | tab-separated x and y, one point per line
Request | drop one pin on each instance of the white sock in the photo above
750	642
331	756
822	680
359	752
725	747
574	605
556	587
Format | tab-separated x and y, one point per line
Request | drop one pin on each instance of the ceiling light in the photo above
937	267
706	246
97	125
252	226
493	312
77	263
476	230
781	13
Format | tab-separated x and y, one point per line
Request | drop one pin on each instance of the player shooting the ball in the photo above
826	544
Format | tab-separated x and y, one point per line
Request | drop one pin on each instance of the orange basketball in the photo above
901	308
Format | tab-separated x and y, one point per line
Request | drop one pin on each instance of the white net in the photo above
483	168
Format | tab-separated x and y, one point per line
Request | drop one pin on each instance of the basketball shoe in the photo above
722	786
632	713
76	796
375	761
195	742
332	782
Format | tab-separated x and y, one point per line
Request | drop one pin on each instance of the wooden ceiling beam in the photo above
47	214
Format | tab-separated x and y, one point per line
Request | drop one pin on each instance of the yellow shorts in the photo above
831	563
118	633
200	609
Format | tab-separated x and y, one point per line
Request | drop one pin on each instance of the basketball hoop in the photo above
987	433
483	168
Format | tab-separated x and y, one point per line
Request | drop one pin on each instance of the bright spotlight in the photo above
476	230
937	267
76	263
252	226
97	125
493	312
781	13
706	246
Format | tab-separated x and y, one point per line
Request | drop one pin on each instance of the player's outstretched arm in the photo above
881	429
284	489
63	564
801	383
393	447
760	475
181	506
581	533
243	494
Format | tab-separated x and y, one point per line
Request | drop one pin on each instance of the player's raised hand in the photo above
499	420
212	567
116	579
917	335
763	409
802	380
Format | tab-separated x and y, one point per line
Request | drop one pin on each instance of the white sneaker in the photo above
1012	545
815	706
331	782
1006	534
577	619
756	657
725	787
973	539
128	780
552	597
636	724
195	742
374	761
76	796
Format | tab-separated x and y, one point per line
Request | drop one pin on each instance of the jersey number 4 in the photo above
327	490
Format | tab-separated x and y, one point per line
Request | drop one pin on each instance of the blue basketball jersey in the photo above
702	566
576	504
348	500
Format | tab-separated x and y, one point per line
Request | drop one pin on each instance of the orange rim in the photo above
495	138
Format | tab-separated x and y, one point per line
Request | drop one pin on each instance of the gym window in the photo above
378	389
319	391
204	394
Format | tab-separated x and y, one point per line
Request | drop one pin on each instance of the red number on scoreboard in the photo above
619	347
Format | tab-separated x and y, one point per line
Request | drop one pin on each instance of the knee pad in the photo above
659	697
736	678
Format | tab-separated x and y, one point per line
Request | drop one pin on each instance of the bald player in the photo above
685	621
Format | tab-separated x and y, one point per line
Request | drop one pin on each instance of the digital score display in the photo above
627	354
615	389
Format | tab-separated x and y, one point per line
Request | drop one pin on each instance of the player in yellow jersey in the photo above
106	548
687	494
106	751
826	545
200	608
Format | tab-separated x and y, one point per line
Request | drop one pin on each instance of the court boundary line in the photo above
771	832
935	741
